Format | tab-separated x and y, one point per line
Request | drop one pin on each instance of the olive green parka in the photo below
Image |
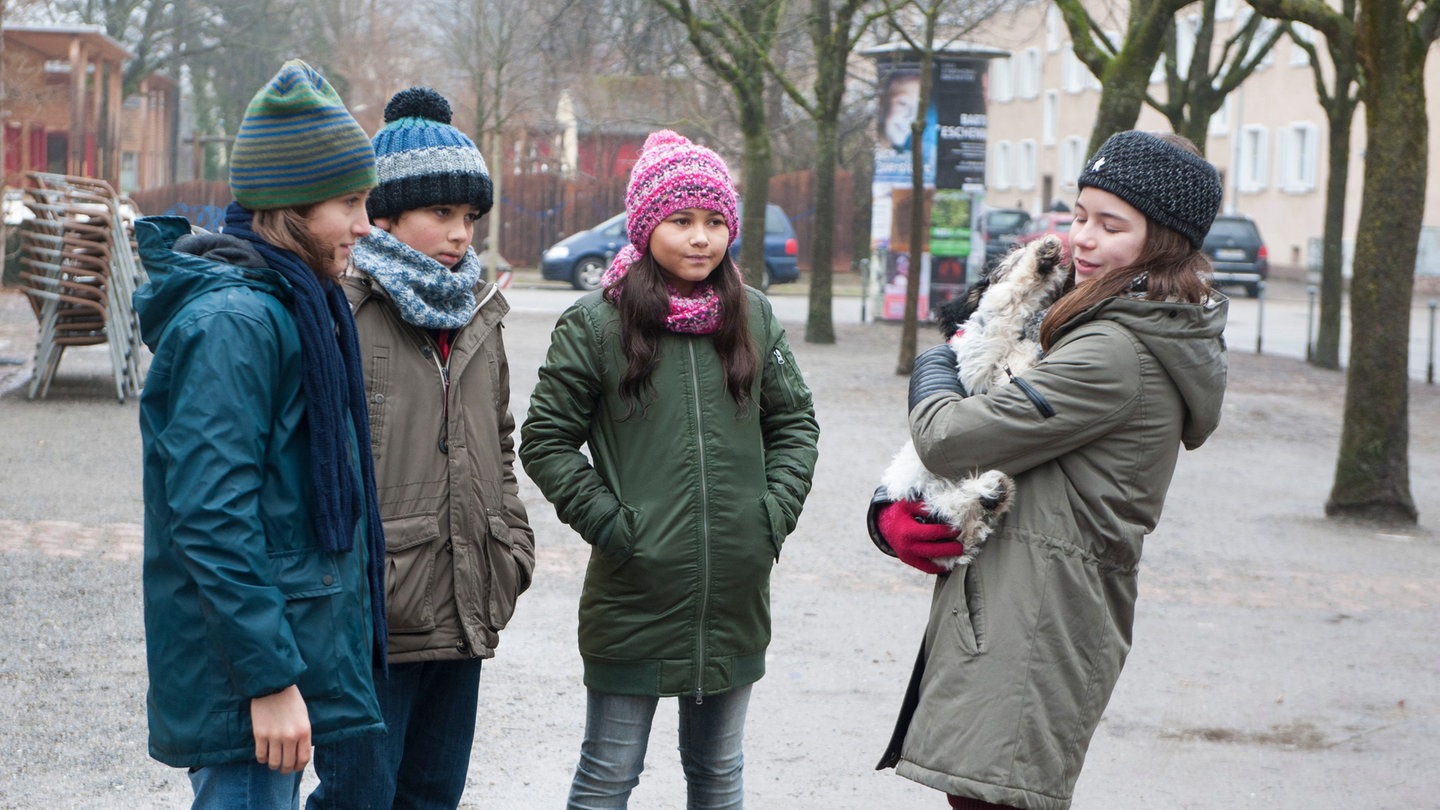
1025	645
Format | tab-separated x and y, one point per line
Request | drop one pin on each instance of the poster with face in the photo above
897	109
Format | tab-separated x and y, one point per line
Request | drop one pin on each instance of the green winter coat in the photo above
240	600
1024	646
686	504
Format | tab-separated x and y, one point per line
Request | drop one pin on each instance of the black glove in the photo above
934	372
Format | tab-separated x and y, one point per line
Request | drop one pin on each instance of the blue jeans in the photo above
617	730
244	786
421	760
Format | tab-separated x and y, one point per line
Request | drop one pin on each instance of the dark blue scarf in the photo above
334	386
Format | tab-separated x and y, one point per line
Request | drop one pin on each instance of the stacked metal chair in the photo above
83	267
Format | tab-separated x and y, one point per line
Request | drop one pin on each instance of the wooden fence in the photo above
539	210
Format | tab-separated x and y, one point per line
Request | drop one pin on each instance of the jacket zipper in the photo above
444	368
704	532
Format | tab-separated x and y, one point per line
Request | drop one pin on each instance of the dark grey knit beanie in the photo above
1169	185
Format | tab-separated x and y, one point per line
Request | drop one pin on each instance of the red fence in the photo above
541	209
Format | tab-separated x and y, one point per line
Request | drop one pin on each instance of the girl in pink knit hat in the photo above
701	440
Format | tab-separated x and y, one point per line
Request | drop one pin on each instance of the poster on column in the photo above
962	125
899	275
899	107
950	216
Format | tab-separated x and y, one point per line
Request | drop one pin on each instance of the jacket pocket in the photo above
310	581
967	609
619	545
789	386
412	546
775	522
504	582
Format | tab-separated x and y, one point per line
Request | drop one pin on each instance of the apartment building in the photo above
1269	141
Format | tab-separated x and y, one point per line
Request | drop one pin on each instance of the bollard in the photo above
1430	362
1310	325
1260	320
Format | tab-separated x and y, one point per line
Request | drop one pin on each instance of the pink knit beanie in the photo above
673	174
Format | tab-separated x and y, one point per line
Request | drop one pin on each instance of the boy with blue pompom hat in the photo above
459	545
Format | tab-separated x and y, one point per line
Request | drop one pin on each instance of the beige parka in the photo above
459	548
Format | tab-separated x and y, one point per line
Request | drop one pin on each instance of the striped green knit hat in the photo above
298	145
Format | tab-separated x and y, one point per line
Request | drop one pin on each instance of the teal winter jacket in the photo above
686	502
240	600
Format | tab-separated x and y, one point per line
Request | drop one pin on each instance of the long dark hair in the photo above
644	302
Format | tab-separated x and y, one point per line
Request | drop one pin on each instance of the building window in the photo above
1027	77
1254	171
1002	73
1186	29
1220	120
1266	29
1224	9
1052	108
1025	168
1072	71
1296	157
1000	167
1054	29
1072	157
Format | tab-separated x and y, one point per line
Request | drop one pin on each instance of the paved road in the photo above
1281	661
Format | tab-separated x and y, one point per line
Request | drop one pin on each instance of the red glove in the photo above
915	539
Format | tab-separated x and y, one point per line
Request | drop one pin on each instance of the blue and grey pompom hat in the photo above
422	160
1168	184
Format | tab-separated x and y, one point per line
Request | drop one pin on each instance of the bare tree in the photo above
1339	98
1123	67
957	19
834	28
1196	90
733	40
1391	42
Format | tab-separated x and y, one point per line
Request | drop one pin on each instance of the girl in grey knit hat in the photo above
1026	642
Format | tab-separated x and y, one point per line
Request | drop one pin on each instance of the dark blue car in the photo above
582	258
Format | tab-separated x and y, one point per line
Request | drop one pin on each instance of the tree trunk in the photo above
819	325
1332	260
756	168
1372	473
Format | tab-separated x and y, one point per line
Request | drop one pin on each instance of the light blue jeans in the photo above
617	730
244	786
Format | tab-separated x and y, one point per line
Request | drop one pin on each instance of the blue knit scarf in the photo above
334	387
427	293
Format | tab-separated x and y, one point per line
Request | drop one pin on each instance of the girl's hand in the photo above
916	539
282	730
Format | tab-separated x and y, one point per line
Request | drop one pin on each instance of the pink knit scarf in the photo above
694	314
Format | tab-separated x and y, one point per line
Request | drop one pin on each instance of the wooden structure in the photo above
64	112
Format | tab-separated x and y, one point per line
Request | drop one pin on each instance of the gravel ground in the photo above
1281	660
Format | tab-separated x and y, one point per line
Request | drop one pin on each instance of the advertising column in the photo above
952	147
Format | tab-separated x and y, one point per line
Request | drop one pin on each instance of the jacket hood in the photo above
182	266
1189	342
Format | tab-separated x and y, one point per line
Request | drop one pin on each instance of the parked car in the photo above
998	227
1055	223
582	258
1237	253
